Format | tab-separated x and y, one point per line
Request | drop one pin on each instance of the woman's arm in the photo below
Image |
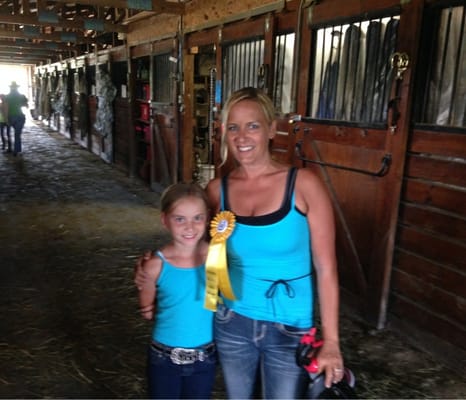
139	273
147	290
312	198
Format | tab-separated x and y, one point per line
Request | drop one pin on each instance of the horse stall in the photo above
122	124
155	112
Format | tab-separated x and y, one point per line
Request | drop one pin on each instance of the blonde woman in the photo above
284	225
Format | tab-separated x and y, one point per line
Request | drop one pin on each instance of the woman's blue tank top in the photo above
181	319
269	263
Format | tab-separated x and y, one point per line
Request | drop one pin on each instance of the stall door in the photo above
352	132
164	121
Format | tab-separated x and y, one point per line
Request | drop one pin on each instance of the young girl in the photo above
182	355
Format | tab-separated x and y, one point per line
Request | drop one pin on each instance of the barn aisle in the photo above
71	227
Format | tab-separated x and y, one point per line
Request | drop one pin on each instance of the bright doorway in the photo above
21	74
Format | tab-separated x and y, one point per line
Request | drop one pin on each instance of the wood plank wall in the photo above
122	131
429	271
95	139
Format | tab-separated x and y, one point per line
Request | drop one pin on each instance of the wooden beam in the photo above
25	5
48	46
15	6
159	6
29	53
66	24
67	37
25	60
137	17
45	52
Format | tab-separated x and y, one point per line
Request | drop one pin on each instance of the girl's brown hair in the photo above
180	190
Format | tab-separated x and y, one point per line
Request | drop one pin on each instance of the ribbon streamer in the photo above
217	278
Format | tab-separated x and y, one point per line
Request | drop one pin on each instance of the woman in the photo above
284	224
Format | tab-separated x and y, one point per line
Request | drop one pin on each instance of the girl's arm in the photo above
147	291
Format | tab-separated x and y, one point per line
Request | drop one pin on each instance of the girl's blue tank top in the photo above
181	319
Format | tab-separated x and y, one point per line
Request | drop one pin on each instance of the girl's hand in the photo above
140	276
330	361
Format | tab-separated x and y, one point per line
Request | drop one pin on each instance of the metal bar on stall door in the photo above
456	71
382	171
338	61
444	47
212	83
280	70
241	65
340	112
250	52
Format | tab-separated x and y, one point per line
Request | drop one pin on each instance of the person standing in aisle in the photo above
15	102
4	127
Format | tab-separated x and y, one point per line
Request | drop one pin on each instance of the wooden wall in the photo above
95	138
200	14
122	132
429	270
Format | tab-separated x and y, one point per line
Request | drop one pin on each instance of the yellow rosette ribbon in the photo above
217	278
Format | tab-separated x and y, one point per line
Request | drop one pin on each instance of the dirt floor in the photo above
71	227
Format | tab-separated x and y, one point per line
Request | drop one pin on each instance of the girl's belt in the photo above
181	355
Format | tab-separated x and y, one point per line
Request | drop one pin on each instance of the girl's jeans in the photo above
171	381
248	348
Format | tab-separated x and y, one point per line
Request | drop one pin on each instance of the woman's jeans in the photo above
167	380
248	349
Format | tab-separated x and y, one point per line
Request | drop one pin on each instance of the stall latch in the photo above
399	62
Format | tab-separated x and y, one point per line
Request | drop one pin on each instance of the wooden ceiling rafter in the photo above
64	37
81	25
158	6
35	44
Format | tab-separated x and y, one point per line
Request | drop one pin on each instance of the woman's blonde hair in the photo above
246	93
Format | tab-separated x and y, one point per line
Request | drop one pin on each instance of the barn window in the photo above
284	46
352	75
241	65
442	76
163	79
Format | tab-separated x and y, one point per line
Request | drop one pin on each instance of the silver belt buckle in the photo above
182	356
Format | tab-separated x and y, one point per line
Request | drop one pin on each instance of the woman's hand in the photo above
330	361
140	276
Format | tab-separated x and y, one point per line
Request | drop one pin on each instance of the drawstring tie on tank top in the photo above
289	291
270	293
